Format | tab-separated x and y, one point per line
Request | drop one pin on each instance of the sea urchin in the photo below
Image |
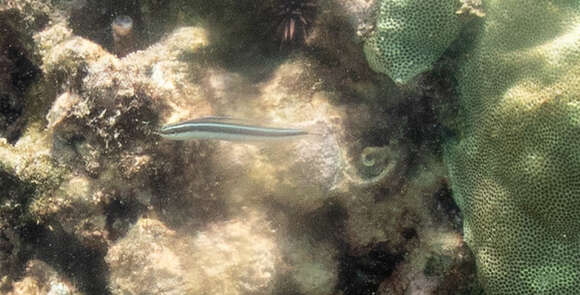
297	16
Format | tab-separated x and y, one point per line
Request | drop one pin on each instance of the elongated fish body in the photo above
226	129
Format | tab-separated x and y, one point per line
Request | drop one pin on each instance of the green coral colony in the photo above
410	35
515	166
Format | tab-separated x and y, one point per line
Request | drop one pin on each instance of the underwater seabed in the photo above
452	169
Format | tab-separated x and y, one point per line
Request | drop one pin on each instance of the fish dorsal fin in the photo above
214	118
225	119
210	119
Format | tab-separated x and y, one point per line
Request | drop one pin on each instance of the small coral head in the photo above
296	17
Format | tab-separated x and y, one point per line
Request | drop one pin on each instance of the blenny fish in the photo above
123	38
225	128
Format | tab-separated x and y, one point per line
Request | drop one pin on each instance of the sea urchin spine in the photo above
297	16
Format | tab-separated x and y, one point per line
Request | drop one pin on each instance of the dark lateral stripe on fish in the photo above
229	129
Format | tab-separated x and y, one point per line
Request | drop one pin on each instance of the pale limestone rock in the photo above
238	256
39	279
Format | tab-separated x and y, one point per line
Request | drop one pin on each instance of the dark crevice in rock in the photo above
24	71
85	267
325	223
120	214
11	122
17	73
12	260
93	20
445	207
175	204
382	193
409	233
439	106
362	274
422	125
22	239
14	197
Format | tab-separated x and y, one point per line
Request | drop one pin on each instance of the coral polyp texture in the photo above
515	166
410	35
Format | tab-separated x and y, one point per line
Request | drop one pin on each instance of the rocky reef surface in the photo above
95	202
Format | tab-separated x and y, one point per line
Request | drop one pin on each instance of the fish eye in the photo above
170	131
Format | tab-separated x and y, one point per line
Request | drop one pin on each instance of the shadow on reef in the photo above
85	267
13	200
325	223
17	73
239	27
359	273
22	239
120	214
242	28
362	274
179	207
93	20
445	206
